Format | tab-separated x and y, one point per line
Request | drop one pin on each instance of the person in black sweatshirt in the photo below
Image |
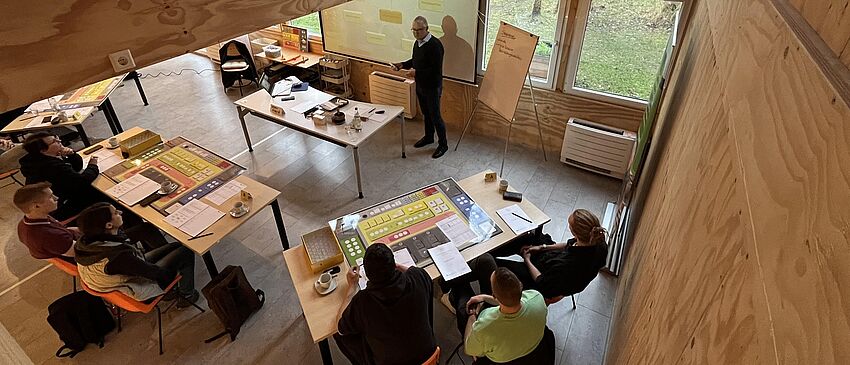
107	260
426	67
48	160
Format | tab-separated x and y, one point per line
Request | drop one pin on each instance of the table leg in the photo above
108	119
357	172
403	155
281	229
242	112
208	260
325	350
83	136
110	112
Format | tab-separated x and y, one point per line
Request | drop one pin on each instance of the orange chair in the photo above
122	301
434	359
68	268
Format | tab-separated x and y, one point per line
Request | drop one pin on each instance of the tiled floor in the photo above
318	184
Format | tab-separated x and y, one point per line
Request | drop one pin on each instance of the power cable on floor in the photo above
178	73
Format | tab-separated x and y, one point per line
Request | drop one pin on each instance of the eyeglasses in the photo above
417	29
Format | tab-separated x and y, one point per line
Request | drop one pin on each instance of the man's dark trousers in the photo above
429	102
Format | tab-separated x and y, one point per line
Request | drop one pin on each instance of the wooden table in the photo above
262	196
259	103
321	311
21	124
291	57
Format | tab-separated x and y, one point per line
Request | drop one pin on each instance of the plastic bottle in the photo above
356	123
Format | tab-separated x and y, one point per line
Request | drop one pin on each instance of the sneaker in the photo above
447	303
188	300
422	142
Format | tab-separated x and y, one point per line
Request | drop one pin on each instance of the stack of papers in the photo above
134	189
456	230
403	258
449	261
194	217
225	192
105	159
516	218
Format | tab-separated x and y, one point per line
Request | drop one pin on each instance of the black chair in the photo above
543	354
236	64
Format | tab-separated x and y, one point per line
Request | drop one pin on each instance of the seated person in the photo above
107	261
460	291
567	268
510	330
45	237
47	160
390	321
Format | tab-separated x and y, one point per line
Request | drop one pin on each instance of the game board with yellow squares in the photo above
425	218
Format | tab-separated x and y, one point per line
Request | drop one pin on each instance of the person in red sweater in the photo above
44	236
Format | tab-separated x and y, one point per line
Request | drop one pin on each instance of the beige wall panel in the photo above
793	135
554	107
49	47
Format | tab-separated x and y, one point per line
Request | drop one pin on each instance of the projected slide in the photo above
379	30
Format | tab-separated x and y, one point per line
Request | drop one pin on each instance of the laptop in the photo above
275	89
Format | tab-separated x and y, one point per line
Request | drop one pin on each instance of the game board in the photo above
196	171
91	95
419	220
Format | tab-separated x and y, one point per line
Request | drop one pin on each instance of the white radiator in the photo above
597	148
395	90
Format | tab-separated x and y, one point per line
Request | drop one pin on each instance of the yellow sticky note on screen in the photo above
432	5
376	38
390	16
436	30
352	16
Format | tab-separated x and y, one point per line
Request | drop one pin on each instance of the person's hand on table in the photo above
352	276
93	160
526	253
532	249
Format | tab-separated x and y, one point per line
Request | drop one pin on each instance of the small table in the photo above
259	103
82	100
321	311
262	196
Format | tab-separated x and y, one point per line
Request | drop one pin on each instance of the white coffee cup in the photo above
238	207
325	280
113	142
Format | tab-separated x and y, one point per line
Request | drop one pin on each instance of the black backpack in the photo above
79	318
232	299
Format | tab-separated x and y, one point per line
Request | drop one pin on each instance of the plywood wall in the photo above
554	107
742	253
48	47
831	20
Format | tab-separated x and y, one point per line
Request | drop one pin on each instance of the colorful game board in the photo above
195	170
422	219
91	95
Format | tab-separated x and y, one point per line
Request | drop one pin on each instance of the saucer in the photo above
326	291
236	214
166	192
109	147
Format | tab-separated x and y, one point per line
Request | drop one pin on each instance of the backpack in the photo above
232	299
79	318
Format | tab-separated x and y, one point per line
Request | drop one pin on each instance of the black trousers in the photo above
461	290
174	256
429	102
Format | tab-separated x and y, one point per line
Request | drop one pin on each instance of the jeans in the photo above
173	256
429	102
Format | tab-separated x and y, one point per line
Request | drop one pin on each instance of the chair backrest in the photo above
9	159
65	266
232	50
124	301
434	359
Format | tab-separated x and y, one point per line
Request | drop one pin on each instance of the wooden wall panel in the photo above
831	19
554	107
49	47
754	172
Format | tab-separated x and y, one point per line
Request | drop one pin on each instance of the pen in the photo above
210	234
521	217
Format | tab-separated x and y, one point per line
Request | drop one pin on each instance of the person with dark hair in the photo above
511	328
44	236
48	160
426	67
389	322
567	268
109	261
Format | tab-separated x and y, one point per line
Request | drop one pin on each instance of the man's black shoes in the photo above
422	142
440	151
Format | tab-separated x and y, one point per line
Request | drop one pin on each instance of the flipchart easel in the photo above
500	90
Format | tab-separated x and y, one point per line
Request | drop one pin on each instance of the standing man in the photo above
426	67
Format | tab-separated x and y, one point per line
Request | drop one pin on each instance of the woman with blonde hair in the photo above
567	268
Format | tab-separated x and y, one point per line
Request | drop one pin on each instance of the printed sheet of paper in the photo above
134	189
403	258
194	217
105	159
449	261
363	279
456	230
516	218
225	192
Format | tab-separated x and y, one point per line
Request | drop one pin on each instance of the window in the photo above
540	17
617	48
309	22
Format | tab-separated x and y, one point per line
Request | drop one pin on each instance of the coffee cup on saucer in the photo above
167	187
325	284
239	209
112	142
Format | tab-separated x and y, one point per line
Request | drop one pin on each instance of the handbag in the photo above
233	300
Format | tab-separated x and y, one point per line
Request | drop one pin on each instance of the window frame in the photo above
310	35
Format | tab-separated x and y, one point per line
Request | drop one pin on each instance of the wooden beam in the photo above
49	47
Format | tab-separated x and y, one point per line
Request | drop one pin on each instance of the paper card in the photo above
516	218
403	258
449	261
456	230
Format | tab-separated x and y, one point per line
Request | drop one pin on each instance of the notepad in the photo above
516	218
194	217
134	189
449	261
403	258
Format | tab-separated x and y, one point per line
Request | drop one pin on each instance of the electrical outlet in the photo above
122	60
